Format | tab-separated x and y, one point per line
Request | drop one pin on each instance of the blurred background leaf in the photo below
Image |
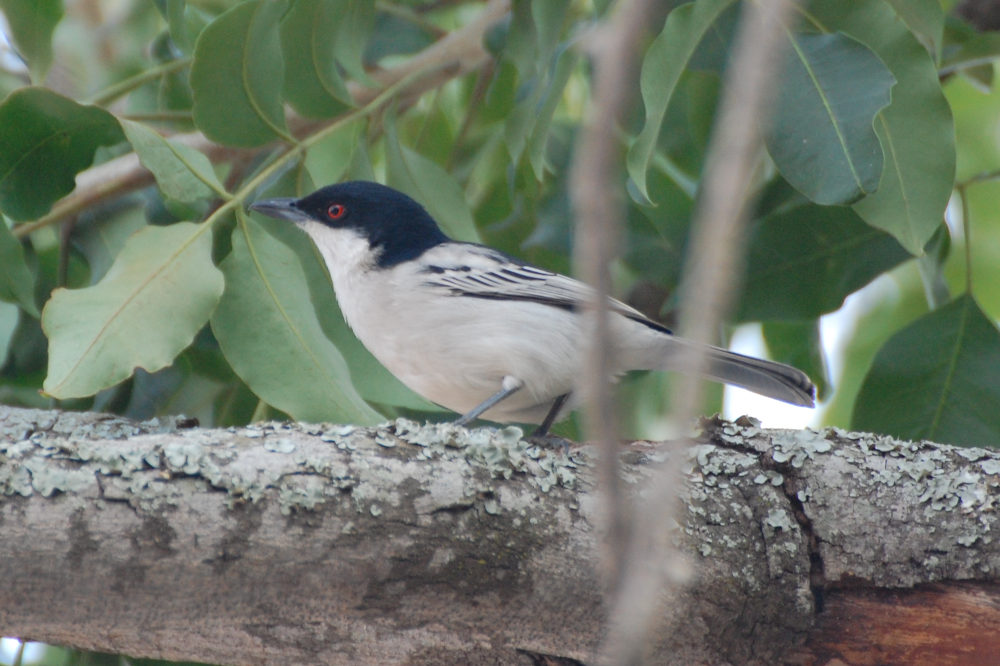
804	261
32	23
316	37
237	75
16	282
937	379
663	65
45	140
919	147
821	135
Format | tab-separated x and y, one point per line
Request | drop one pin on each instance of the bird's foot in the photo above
549	441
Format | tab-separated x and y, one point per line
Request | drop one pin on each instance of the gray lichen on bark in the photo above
304	544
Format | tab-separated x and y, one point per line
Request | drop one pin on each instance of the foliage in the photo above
155	295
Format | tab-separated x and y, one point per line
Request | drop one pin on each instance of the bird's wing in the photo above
480	272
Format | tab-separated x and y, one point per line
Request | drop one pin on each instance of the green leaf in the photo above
563	66
368	376
173	12
925	19
799	343
394	35
548	18
237	75
804	262
821	135
532	45
328	160
157	295
430	185
313	34
533	35
354	22
501	94
32	23
932	267
45	140
662	67
937	379
182	172
283	356
521	43
340	32
16	282
713	51
657	237
521	120
100	238
9	315
916	131
185	22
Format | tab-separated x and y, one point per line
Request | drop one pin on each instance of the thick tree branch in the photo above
283	543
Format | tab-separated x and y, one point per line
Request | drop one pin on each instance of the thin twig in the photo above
597	200
653	571
110	94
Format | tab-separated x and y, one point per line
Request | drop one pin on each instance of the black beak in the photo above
282	208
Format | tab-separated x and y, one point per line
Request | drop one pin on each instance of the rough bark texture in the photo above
414	544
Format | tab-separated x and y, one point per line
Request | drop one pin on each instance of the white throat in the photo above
348	257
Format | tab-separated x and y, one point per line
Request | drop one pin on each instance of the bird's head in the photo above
360	215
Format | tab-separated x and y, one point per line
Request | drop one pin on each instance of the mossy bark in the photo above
286	543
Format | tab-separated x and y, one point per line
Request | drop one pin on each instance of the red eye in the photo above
336	211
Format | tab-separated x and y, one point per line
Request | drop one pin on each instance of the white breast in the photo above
452	350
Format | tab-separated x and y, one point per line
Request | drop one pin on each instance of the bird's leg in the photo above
508	386
543	429
541	436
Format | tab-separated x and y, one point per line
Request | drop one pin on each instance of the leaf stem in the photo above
113	92
967	233
160	116
71	206
981	177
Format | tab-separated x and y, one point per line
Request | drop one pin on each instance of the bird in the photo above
476	330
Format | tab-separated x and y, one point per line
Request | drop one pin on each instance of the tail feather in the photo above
768	378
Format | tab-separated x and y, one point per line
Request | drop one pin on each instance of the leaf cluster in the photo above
154	295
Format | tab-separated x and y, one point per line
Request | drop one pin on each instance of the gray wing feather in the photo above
479	272
496	276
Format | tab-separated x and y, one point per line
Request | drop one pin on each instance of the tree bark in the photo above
300	544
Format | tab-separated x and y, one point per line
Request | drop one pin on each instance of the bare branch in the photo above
597	203
653	574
